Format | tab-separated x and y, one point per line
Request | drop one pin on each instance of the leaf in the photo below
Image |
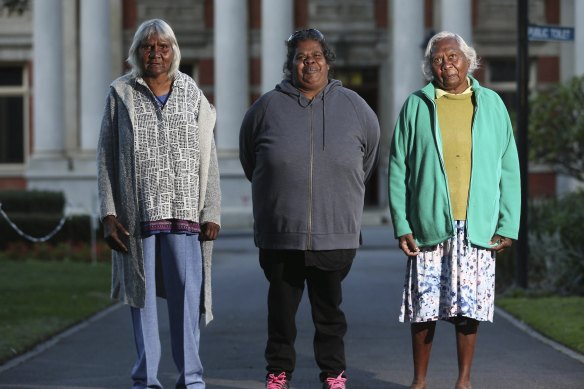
556	128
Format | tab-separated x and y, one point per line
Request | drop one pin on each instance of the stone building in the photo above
57	58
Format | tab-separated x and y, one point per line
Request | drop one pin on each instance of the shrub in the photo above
77	228
555	249
556	244
33	201
37	214
505	276
64	251
556	127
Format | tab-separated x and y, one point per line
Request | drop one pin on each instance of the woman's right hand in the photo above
113	232
408	245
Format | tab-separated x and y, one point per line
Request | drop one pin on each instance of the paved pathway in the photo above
99	354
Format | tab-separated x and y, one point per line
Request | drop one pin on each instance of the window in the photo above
190	69
13	92
501	75
502	70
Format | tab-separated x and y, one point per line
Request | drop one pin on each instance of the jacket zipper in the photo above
309	237
440	153
472	143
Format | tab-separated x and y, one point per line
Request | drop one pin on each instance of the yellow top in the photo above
455	120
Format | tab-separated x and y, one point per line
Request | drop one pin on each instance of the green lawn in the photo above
558	318
39	299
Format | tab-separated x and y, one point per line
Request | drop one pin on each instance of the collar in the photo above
178	81
442	92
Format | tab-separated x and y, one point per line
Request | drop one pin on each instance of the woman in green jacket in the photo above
454	191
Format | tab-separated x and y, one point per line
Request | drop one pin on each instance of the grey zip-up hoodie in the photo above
308	162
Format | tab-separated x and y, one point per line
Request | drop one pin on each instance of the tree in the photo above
556	128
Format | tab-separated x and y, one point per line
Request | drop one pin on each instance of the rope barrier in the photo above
32	238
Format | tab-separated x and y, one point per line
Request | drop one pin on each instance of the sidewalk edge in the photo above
533	333
57	338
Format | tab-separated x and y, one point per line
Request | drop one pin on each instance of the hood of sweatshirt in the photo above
289	89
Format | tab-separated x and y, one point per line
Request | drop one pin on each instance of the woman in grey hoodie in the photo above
308	148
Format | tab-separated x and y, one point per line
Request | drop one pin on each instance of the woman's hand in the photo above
209	231
500	243
408	245
113	232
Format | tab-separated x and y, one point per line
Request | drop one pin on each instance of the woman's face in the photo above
449	66
156	56
309	67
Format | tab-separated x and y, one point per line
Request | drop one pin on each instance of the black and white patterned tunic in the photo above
167	153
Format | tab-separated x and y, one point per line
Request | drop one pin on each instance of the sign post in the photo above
521	252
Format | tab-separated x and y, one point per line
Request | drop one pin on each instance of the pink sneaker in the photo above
277	382
335	382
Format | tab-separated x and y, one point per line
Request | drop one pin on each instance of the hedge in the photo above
34	201
38	213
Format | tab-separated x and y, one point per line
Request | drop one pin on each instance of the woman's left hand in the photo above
209	231
500	243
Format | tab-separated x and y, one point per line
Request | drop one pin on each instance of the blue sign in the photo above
550	33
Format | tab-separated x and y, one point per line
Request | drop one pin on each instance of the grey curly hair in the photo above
468	51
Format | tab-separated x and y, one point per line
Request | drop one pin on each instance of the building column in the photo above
456	17
231	71
63	157
277	25
407	38
232	96
48	116
579	38
95	69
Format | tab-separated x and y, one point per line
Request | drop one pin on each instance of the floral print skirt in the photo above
451	279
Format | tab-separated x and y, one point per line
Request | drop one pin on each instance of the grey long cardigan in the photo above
118	192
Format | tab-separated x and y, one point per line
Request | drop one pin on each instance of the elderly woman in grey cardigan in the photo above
159	193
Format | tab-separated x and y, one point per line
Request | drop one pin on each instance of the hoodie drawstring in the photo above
323	123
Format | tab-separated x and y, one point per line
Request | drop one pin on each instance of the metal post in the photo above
522	120
94	226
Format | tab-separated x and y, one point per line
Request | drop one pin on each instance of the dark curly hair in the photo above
304	35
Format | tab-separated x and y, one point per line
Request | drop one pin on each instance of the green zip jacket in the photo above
418	187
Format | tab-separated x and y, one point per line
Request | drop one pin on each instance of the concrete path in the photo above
99	353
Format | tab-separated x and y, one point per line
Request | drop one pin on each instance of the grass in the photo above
558	318
39	299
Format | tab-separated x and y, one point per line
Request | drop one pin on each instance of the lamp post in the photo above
522	120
